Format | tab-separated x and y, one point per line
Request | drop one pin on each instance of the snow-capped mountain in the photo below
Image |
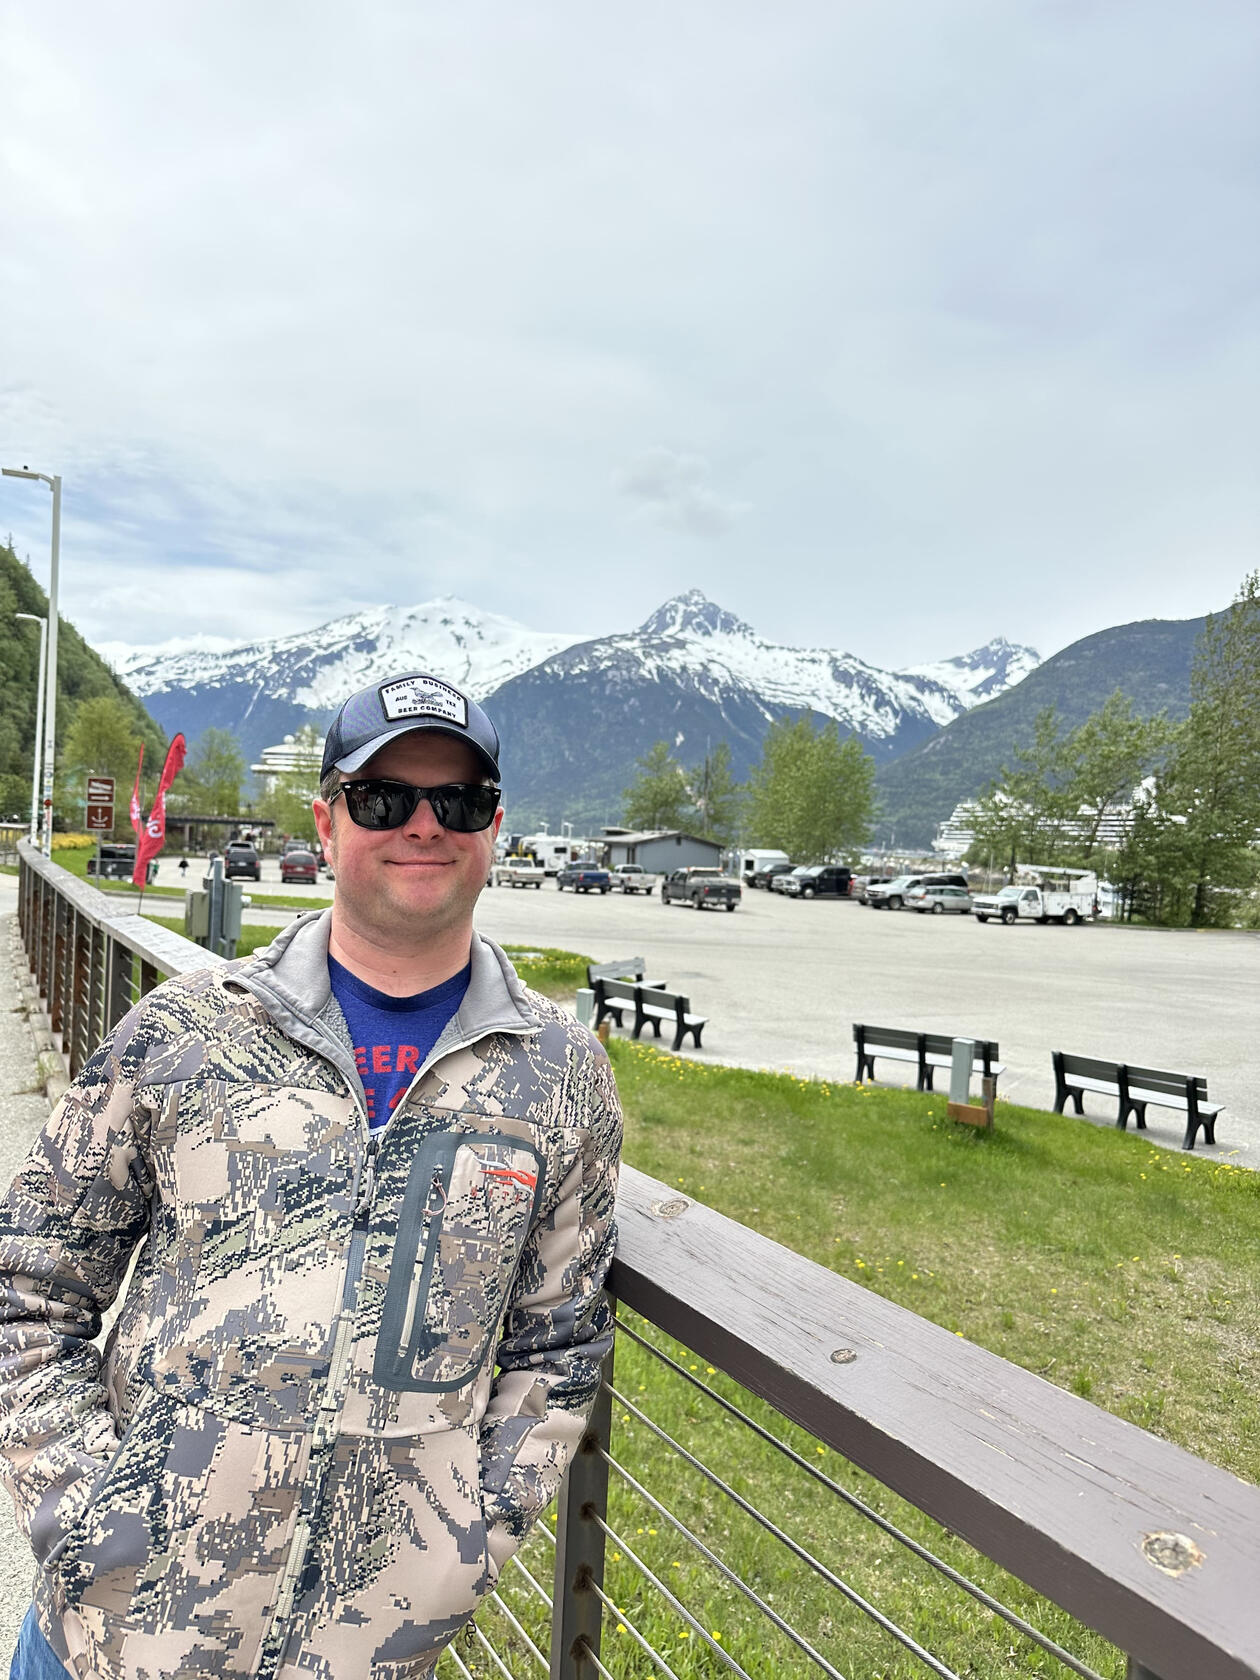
694	675
574	713
263	691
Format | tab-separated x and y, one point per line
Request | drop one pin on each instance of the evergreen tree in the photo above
215	773
658	797
811	795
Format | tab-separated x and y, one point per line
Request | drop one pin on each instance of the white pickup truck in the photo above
1058	895
633	878
518	872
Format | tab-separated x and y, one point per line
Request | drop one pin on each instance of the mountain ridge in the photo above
692	673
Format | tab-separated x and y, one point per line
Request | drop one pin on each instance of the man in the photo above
368	1167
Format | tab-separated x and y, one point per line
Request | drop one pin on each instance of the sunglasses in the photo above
464	807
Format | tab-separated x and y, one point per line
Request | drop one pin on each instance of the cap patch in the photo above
423	697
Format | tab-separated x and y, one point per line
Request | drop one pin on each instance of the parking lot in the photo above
783	981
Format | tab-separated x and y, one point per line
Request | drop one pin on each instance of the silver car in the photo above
939	900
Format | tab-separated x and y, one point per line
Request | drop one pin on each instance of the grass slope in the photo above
1150	661
1115	1269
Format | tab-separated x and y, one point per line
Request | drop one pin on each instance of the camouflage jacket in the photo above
348	1370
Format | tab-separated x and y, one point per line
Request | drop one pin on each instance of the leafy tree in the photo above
811	794
715	794
1211	786
288	800
101	741
1105	760
658	797
216	770
1022	816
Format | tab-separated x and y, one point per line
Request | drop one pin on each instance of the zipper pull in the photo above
367	1183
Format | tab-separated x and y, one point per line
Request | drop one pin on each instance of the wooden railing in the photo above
1154	1549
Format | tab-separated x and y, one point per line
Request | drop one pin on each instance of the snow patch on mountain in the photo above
320	668
716	654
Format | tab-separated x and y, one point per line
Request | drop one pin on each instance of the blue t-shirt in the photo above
392	1035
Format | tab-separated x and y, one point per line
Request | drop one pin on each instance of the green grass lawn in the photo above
1122	1272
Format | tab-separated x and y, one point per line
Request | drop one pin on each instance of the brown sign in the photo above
100	790
100	819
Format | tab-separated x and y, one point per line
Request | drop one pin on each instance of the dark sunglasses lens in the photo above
465	807
379	804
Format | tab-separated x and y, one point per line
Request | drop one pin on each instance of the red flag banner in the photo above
137	818
150	843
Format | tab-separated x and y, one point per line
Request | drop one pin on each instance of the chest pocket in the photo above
466	1212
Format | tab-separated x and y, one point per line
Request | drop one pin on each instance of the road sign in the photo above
100	819
100	790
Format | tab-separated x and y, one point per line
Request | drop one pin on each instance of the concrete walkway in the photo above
24	1108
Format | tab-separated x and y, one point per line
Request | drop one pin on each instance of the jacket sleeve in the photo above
68	1226
557	1330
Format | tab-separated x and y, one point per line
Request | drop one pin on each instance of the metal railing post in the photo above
118	961
577	1614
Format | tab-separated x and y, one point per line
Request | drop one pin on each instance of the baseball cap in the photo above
375	715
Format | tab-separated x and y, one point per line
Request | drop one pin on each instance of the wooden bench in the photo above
624	968
652	1006
927	1051
613	998
1135	1087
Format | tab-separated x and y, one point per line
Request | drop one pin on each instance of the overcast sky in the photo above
891	327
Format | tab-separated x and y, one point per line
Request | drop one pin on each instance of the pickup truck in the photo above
583	877
518	872
701	888
633	878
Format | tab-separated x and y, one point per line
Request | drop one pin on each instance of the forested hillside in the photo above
82	675
1149	661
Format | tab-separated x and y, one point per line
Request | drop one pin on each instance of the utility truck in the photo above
1042	895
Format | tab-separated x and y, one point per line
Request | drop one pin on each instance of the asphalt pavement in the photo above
782	982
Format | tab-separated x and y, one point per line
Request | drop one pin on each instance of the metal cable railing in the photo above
954	1576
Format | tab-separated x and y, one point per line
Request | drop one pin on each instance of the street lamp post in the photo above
36	618
53	481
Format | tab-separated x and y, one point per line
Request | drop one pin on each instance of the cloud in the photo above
912	293
673	489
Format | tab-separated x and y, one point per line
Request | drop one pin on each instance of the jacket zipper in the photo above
328	1417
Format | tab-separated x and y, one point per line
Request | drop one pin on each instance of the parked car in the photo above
701	888
891	895
862	882
298	865
518	871
816	880
583	877
240	858
938	901
118	862
633	878
765	876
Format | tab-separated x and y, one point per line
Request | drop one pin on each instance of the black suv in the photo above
241	859
823	880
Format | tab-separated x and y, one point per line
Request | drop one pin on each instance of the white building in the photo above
284	759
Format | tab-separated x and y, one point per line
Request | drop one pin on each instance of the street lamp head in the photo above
35	618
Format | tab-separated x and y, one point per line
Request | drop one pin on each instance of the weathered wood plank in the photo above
1067	1497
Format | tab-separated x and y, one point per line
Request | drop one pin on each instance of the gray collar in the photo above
290	978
